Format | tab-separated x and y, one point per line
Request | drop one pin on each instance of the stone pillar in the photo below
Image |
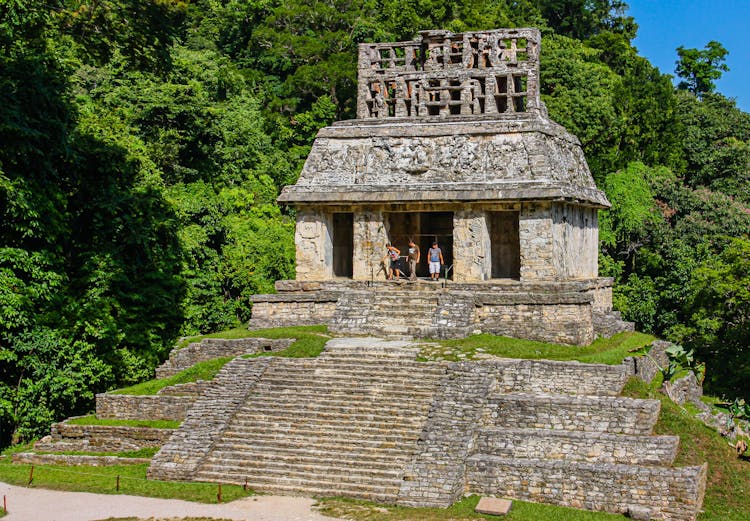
370	237
535	231
576	241
314	246
472	259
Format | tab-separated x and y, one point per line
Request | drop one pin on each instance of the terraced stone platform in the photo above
367	420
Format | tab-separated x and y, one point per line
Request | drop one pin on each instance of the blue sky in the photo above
664	25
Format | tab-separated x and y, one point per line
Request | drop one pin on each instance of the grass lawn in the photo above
601	351
103	480
205	370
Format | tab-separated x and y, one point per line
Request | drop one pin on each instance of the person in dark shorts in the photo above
393	256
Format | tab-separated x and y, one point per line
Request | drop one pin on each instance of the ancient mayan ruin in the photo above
451	144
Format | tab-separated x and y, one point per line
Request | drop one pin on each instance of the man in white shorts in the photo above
435	260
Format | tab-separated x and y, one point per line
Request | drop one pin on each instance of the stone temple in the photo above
451	143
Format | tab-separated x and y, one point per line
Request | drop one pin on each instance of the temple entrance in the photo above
505	245
424	228
343	244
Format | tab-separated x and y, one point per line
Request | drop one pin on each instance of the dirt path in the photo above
36	504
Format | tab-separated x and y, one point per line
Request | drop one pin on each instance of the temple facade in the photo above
452	144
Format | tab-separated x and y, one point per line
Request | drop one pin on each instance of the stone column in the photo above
370	237
472	259
576	241
535	230
314	246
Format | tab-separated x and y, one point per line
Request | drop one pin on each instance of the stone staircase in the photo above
405	313
342	424
366	420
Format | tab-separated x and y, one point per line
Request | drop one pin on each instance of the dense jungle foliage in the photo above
143	143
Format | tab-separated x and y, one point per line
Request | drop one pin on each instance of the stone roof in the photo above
449	117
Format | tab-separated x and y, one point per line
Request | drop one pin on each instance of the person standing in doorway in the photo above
435	260
414	256
393	254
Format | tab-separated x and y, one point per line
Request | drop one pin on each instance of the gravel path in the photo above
36	504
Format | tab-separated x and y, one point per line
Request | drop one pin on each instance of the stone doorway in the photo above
424	228
505	245
343	245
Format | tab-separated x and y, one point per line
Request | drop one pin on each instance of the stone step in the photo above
290	445
653	492
340	370
572	413
378	463
259	431
341	420
316	487
341	393
367	405
577	446
311	385
333	473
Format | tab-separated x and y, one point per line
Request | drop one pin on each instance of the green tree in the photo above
699	68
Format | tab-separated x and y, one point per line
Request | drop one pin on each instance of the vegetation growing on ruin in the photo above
144	147
602	351
154	424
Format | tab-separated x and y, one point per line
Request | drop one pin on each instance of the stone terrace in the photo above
367	420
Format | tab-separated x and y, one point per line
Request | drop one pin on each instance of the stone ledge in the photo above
142	407
531	191
31	458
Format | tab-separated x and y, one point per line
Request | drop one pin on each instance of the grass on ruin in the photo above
463	510
728	487
154	424
103	480
309	343
602	351
297	332
146	452
201	371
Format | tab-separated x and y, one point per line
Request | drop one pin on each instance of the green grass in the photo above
103	480
154	424
728	488
205	370
309	343
462	510
602	351
146	452
243	332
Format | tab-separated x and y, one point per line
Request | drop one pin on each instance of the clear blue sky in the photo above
664	25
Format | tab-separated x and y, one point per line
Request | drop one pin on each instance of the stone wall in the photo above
547	376
142	407
573	446
293	309
561	323
647	492
210	348
576	413
314	246
472	260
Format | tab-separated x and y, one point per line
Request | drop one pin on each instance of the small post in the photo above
117	487
31	474
218	496
5	505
